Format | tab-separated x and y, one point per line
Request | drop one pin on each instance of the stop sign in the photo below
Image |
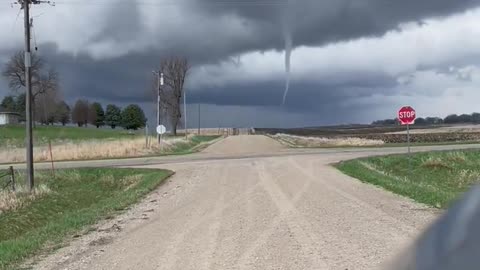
407	115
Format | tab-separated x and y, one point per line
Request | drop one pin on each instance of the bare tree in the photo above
14	70
175	71
45	107
45	91
80	112
43	83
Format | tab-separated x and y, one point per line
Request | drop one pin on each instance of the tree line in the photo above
82	113
48	106
473	118
130	117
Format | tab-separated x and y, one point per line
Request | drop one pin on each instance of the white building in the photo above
9	118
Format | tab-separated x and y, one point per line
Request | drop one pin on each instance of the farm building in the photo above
8	118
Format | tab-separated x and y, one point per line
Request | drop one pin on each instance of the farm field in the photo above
72	143
357	135
14	136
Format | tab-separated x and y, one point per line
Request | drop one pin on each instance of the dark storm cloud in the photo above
312	22
304	97
128	78
123	23
318	22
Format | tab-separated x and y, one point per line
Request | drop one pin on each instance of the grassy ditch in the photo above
435	178
195	143
60	207
108	149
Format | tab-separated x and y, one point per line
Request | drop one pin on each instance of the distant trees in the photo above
420	121
46	107
14	104
133	117
385	122
97	115
451	119
62	113
80	112
51	110
84	113
476	118
175	71
113	116
434	120
8	104
465	118
473	118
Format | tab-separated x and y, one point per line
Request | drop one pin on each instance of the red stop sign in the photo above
407	115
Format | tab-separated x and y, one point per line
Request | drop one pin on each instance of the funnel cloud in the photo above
288	55
287	34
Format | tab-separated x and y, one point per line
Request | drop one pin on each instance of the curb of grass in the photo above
419	189
201	146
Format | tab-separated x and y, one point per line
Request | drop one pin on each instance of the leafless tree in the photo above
175	71
43	83
14	70
80	112
46	107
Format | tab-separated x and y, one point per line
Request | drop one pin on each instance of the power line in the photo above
178	3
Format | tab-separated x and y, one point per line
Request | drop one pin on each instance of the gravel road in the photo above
261	212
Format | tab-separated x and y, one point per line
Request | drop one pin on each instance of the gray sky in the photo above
352	60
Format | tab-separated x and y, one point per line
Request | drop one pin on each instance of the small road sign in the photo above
407	115
161	129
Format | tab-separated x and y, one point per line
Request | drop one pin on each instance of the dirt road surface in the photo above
235	145
281	211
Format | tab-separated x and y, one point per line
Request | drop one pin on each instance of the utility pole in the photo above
25	5
198	118
159	88
28	95
185	112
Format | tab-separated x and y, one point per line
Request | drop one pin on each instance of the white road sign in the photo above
161	129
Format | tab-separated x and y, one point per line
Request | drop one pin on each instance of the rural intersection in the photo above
249	203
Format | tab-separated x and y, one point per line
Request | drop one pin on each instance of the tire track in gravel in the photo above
287	214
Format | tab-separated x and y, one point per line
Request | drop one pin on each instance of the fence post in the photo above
12	175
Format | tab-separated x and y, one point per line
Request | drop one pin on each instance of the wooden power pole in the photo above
25	5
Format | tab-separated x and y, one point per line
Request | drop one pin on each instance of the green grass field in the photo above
14	136
435	178
67	205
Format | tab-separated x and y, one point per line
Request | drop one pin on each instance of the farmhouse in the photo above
8	118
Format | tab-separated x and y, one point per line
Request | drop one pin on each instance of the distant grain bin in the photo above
9	118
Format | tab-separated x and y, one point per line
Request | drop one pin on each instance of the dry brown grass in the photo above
435	163
95	149
301	141
458	157
14	200
467	178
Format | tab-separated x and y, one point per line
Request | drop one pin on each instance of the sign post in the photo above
160	131
407	116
